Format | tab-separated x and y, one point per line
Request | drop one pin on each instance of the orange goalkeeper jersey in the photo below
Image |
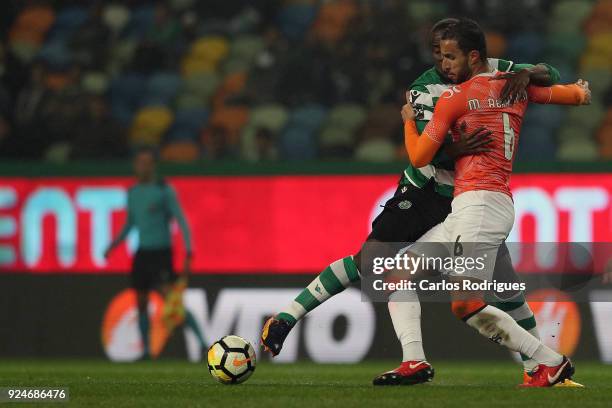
476	102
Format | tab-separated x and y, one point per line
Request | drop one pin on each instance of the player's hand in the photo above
474	142
515	88
407	111
587	91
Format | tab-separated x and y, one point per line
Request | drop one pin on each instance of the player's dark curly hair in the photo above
441	26
469	36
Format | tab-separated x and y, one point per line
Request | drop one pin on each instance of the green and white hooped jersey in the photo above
424	94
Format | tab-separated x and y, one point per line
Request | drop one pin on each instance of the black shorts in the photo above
152	268
410	213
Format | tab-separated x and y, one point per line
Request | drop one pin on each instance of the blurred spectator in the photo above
265	146
335	68
97	134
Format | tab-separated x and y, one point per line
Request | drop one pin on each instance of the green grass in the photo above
172	383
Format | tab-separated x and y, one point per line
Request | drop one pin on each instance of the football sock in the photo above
518	308
499	327
405	311
143	326
333	280
193	325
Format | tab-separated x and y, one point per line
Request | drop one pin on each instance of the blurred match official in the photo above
151	206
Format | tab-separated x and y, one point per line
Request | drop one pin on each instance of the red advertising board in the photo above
271	224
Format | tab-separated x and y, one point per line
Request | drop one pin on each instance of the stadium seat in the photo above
116	17
423	11
183	151
296	143
203	85
190	101
127	90
582	149
568	45
587	117
212	49
525	46
309	117
141	21
333	19
163	86
271	117
604	136
95	83
246	47
295	18
32	24
188	124
376	150
496	44
232	119
232	85
537	143
149	126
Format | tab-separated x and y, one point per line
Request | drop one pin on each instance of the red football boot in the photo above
546	376
408	373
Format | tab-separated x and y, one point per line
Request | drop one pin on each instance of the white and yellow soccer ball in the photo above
231	360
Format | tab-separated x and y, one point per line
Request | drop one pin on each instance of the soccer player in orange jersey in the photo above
482	209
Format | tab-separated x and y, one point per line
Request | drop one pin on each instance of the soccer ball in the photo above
231	360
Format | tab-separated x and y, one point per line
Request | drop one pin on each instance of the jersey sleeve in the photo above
557	94
422	103
422	149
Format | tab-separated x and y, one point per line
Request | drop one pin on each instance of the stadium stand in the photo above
273	79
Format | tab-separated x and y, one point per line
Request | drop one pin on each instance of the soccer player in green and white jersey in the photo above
421	201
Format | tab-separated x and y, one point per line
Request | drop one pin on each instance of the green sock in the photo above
143	326
518	308
333	280
193	325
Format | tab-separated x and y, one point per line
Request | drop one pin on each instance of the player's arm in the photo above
541	74
523	75
469	143
573	94
422	149
177	214
129	223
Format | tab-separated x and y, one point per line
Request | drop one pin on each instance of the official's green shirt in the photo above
150	208
424	94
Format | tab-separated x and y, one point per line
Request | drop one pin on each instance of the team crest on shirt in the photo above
404	205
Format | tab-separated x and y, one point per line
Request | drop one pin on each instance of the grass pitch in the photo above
177	384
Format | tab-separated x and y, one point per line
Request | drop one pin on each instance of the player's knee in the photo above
464	309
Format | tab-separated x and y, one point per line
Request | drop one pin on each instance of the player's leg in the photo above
332	280
142	299
390	226
499	327
483	220
426	210
514	303
141	283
